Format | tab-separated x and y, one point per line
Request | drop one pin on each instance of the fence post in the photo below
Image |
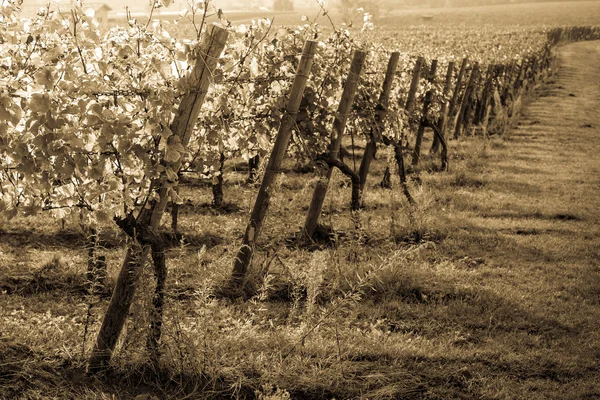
410	101
456	93
414	85
381	111
339	126
435	146
470	114
149	218
465	100
423	121
482	107
507	82
261	205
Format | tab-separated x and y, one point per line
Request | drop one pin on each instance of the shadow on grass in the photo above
25	374
492	244
191	208
527	214
514	187
51	277
27	238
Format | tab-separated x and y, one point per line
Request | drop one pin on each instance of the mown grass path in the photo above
535	223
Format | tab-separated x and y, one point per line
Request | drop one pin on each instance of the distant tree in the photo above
283	5
347	8
437	3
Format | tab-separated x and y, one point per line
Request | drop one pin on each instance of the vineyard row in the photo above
65	145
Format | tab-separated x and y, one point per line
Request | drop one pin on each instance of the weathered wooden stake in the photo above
144	228
469	113
261	205
507	83
414	85
423	122
412	94
465	100
456	94
435	146
380	113
482	105
339	126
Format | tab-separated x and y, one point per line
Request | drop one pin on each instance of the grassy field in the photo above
405	21
488	288
525	14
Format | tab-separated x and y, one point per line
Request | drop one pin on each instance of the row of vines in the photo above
100	125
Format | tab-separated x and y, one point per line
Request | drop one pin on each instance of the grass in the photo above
488	288
408	21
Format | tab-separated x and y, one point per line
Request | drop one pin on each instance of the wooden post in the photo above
189	109
414	85
411	98
482	107
486	107
515	87
465	100
432	71
339	126
471	99
261	205
381	111
444	111
508	75
423	122
519	79
456	93
536	69
149	218
118	308
532	78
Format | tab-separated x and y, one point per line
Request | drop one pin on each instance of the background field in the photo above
405	21
488	289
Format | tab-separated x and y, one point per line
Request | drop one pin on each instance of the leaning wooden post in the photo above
423	122
468	116
339	126
381	111
288	120
411	98
455	95
535	69
482	106
487	100
532	75
149	218
435	146
414	85
465	100
507	82
516	86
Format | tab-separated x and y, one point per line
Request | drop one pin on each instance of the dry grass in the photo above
489	288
